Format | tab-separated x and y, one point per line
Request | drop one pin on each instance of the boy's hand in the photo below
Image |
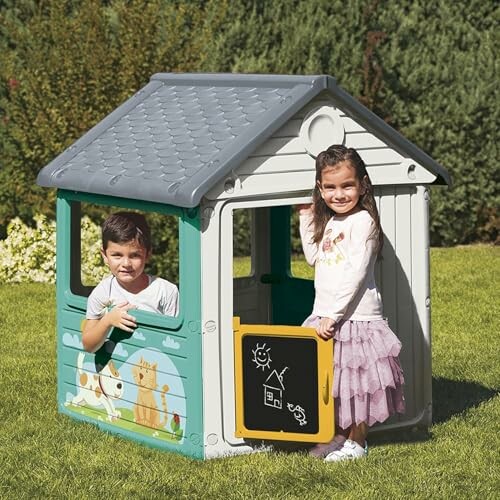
305	208
119	317
325	328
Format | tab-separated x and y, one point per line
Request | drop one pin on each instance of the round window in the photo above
321	128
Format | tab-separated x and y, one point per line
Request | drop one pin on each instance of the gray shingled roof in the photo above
182	133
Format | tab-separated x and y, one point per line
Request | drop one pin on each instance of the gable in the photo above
285	163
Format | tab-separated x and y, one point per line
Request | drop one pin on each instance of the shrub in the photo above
93	267
64	65
28	253
427	68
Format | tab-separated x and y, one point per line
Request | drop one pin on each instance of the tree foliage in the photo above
427	68
69	63
441	70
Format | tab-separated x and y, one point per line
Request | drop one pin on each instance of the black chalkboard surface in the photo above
283	383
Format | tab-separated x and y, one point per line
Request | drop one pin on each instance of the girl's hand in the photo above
120	318
325	328
305	208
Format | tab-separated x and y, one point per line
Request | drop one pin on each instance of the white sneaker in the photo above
349	451
323	449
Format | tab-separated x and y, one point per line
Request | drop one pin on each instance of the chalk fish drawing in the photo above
298	413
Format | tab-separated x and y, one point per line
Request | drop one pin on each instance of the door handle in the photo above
326	389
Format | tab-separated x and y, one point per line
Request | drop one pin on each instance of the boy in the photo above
126	248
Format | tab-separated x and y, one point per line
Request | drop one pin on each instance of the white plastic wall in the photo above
282	173
282	165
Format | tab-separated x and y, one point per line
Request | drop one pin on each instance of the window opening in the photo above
87	266
299	268
243	243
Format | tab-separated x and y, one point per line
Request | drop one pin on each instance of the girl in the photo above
341	236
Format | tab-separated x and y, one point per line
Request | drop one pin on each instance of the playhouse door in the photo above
264	289
266	294
283	381
292	298
251	261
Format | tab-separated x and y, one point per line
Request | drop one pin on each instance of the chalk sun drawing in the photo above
261	356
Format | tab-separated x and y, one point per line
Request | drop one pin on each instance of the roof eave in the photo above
373	122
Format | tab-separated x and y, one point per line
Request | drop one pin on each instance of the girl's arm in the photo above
360	258
309	248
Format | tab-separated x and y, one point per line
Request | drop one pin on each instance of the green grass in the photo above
44	454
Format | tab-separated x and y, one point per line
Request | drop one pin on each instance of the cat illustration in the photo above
145	409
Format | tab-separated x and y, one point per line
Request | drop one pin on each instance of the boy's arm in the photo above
173	304
96	331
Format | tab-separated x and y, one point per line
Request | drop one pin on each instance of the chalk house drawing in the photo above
273	389
261	356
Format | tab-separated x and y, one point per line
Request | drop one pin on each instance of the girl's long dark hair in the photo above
322	213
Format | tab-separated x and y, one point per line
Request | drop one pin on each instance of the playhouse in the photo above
197	148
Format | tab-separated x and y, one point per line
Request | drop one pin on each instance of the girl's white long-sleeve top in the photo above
344	262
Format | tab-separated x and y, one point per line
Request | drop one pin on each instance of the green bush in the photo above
427	68
28	253
441	70
66	64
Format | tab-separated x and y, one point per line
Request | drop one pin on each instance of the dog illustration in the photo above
145	409
99	389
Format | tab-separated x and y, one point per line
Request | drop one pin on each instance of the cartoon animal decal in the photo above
145	409
99	389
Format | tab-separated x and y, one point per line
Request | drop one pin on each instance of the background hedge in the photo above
427	68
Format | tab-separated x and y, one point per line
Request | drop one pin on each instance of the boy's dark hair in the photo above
123	227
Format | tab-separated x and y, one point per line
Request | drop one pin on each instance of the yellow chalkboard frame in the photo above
325	381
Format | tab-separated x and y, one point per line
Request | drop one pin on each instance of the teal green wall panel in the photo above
292	298
166	349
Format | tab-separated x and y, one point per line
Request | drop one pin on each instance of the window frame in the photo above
69	250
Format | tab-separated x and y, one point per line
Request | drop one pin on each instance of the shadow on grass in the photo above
452	397
449	398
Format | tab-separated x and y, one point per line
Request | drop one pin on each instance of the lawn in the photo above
46	455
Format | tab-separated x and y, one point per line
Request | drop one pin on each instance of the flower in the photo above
13	83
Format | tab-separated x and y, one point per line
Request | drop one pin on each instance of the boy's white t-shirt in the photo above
344	261
160	296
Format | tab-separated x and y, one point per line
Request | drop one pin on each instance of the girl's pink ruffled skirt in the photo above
367	378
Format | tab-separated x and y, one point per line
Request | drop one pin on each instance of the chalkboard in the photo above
283	383
282	394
